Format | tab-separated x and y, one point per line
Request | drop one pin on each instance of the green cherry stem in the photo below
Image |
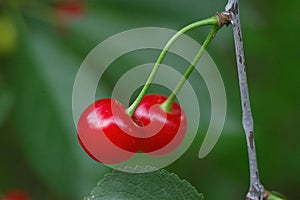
167	105
209	21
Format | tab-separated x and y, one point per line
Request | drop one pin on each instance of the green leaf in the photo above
276	196
158	184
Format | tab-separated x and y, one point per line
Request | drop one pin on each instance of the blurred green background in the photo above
42	44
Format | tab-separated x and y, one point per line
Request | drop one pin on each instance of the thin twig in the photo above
256	190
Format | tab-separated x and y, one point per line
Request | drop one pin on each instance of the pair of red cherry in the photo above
110	135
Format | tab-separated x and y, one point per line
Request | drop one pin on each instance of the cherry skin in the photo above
107	133
15	195
164	131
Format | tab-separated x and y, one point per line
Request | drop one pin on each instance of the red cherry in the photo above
15	195
164	131
67	11
70	9
107	133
